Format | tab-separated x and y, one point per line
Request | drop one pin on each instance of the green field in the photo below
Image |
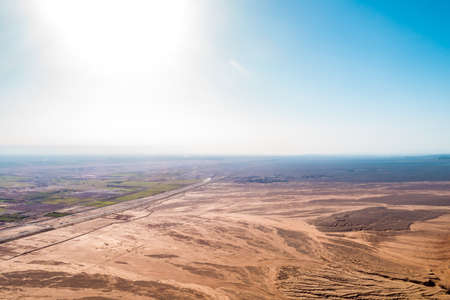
152	188
64	200
12	217
55	214
125	190
101	203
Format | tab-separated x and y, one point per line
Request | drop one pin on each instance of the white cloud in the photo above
238	67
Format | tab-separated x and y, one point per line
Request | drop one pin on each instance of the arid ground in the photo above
233	240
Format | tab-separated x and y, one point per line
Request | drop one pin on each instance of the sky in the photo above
225	76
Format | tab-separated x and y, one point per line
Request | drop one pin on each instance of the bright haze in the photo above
225	77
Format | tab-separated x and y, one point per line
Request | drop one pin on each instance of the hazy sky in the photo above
226	77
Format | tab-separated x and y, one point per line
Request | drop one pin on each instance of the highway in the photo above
28	229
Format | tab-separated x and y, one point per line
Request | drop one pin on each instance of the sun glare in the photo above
118	36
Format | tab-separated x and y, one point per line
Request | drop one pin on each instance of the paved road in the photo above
14	233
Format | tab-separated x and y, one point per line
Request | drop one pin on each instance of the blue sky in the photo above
227	77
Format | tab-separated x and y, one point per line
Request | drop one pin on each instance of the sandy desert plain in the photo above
247	239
